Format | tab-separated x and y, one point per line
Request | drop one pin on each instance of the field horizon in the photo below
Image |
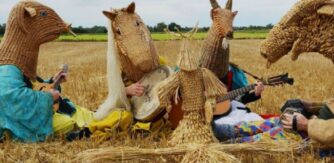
156	36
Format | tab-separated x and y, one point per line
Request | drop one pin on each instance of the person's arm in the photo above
248	97
252	96
136	89
321	131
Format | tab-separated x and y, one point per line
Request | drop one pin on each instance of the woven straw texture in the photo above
215	57
29	25
305	28
193	127
197	87
137	52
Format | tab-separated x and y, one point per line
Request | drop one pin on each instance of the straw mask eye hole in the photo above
43	13
118	31
137	23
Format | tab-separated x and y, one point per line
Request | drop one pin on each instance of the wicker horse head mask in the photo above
135	45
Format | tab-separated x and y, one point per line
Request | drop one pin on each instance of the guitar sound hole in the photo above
42	88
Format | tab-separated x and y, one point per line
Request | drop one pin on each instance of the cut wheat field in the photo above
86	86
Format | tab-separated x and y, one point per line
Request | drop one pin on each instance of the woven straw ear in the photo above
131	8
109	14
229	5
20	13
31	11
326	10
214	4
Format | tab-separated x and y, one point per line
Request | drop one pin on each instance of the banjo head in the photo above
147	107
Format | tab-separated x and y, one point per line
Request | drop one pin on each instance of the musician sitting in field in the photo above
131	51
240	122
236	79
316	119
68	117
27	115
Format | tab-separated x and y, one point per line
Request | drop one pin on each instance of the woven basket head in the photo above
29	25
307	27
188	61
223	19
137	52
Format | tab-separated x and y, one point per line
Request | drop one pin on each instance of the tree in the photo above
160	27
2	29
173	25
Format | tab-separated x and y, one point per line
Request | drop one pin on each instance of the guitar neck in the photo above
56	83
235	93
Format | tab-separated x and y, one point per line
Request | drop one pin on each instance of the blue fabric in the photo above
224	132
25	113
239	78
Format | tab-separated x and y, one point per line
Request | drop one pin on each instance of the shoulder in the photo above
10	71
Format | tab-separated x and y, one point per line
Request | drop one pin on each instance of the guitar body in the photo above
46	87
176	114
146	108
222	107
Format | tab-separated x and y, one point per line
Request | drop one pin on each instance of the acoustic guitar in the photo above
146	108
45	87
223	105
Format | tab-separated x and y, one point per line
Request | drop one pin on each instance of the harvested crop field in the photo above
87	87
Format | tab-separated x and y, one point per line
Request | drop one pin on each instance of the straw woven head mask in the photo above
133	39
29	25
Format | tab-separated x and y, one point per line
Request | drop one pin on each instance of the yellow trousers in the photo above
63	124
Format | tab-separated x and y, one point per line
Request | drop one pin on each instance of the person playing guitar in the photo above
67	116
236	79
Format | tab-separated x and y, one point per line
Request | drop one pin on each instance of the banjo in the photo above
147	107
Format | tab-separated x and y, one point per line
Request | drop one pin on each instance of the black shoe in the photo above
78	134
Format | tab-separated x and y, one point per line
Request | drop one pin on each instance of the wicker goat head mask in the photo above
223	18
133	39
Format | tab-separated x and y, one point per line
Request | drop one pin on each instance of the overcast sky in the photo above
184	12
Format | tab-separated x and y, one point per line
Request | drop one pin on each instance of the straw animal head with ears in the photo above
187	60
39	23
133	39
307	27
223	18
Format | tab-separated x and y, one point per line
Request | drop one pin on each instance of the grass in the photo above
86	86
244	34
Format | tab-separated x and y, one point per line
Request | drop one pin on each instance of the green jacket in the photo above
322	131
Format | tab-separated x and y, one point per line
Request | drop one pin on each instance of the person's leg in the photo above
223	131
62	124
82	117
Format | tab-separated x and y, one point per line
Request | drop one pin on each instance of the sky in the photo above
88	13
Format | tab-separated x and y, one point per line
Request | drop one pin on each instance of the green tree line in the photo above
159	27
